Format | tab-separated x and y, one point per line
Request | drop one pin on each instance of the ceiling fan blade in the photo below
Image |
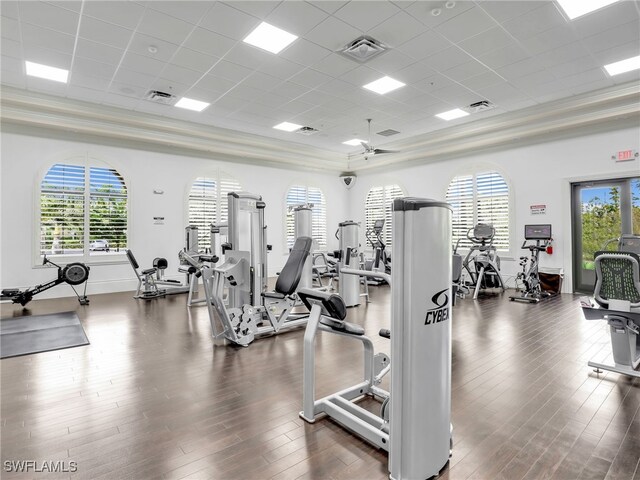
366	146
380	150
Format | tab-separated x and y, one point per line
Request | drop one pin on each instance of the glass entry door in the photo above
602	211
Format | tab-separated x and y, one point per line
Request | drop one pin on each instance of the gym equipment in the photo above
625	243
529	275
150	279
415	421
381	260
303	227
482	262
617	297
73	273
348	257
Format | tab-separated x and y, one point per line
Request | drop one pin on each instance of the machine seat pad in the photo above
277	295
289	277
149	271
209	258
342	326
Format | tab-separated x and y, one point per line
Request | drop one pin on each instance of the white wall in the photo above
26	158
537	174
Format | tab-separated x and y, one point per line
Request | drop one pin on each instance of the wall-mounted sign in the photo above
158	220
538	209
625	155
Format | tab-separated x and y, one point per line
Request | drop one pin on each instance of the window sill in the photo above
62	260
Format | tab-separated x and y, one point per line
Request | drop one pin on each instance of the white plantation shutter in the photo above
300	194
480	198
378	206
66	227
207	204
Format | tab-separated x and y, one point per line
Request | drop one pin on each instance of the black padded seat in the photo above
290	275
277	295
342	326
332	305
149	271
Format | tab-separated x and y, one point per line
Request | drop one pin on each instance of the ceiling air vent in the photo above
363	49
307	131
480	106
159	97
388	132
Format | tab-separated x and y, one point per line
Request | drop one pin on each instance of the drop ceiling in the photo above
522	56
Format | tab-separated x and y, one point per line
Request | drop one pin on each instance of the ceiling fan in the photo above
369	149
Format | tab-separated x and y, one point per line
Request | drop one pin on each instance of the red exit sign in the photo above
625	155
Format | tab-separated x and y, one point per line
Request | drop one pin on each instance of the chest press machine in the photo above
415	421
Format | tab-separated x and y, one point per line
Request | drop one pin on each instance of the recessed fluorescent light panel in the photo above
191	104
288	127
384	85
44	71
452	114
269	38
577	8
623	66
354	142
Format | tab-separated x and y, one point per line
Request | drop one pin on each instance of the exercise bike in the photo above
529	276
73	274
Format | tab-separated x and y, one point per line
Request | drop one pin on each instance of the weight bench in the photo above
617	296
145	277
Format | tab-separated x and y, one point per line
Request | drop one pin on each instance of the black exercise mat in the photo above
40	333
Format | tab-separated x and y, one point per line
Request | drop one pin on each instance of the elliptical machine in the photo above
73	274
484	266
532	291
381	261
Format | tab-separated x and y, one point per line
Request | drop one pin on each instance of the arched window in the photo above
83	211
378	207
207	204
300	194
480	198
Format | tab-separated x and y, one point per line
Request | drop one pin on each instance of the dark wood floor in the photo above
152	398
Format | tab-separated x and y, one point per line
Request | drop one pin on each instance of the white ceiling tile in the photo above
304	52
633	76
407	94
390	62
271	99
10	29
215	84
134	92
549	39
457	95
187	10
397	30
414	72
486	42
46	86
511	106
433	83
316	97
543	91
256	110
173	29
181	75
571	68
187	58
135	79
262	81
535	21
296	17
481	81
502	10
153	108
566	53
47	57
281	68
11	48
615	54
333	34
116	100
621	35
424	45
589	76
85	94
504	56
289	90
10	64
73	5
361	76
86	66
49	16
230	71
169	86
329	6
339	88
228	21
521	68
334	65
467	24
448	58
103	32
98	51
607	18
536	78
310	78
421	10
209	43
49	39
9	9
364	15
466	70
127	14
77	79
259	9
503	93
248	55
142	64
230	102
589	87
250	94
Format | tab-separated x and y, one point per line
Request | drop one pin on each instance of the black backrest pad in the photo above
132	260
615	276
292	271
332	305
